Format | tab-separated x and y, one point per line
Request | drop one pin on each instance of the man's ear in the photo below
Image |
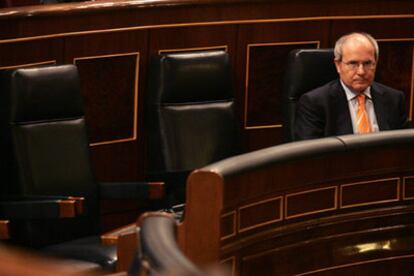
337	65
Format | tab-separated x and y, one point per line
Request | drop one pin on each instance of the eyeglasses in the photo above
354	65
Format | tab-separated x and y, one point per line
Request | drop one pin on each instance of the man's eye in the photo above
353	63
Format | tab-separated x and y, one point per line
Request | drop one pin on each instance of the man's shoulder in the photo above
379	89
324	90
382	88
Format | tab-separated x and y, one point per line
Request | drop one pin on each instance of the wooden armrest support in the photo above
126	240
112	238
4	230
156	190
67	208
79	204
71	207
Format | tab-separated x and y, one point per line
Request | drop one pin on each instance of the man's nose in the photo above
361	69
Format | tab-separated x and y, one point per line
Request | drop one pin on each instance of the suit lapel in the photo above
379	107
339	102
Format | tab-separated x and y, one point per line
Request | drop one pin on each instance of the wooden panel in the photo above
402	265
260	213
110	91
266	63
396	67
31	53
228	225
311	202
113	72
408	190
379	252
362	193
193	38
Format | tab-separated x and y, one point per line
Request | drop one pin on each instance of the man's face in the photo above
358	64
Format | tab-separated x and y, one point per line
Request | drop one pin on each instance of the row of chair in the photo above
49	193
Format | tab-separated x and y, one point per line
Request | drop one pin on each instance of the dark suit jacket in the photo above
324	111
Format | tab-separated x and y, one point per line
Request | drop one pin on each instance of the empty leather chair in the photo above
45	166
190	116
306	69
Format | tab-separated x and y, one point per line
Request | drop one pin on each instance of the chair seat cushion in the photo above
89	249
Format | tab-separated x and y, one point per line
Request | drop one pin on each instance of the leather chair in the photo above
190	116
48	191
307	69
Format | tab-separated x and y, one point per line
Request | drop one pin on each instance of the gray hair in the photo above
341	41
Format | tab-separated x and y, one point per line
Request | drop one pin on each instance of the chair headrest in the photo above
309	69
191	77
44	93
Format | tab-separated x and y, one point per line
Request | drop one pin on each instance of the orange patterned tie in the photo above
362	120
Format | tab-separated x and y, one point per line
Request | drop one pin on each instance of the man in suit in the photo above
354	103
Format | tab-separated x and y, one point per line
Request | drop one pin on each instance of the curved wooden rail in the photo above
335	205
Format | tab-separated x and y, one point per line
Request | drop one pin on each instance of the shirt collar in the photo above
350	95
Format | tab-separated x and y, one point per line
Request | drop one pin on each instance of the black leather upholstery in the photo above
283	153
46	153
190	116
295	151
307	69
377	139
159	247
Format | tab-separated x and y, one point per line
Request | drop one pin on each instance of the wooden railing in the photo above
334	205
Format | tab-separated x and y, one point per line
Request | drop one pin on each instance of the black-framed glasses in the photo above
354	65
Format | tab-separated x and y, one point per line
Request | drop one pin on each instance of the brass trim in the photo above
355	264
232	213
136	81
341	206
394	39
232	259
335	188
412	88
241	230
191	24
404	197
262	127
410	112
28	64
246	87
194	49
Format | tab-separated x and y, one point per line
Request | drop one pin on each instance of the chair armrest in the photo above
126	240
112	237
4	230
40	207
159	248
132	190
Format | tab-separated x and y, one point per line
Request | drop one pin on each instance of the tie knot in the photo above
361	99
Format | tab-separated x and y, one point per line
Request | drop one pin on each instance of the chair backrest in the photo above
307	69
190	114
45	145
